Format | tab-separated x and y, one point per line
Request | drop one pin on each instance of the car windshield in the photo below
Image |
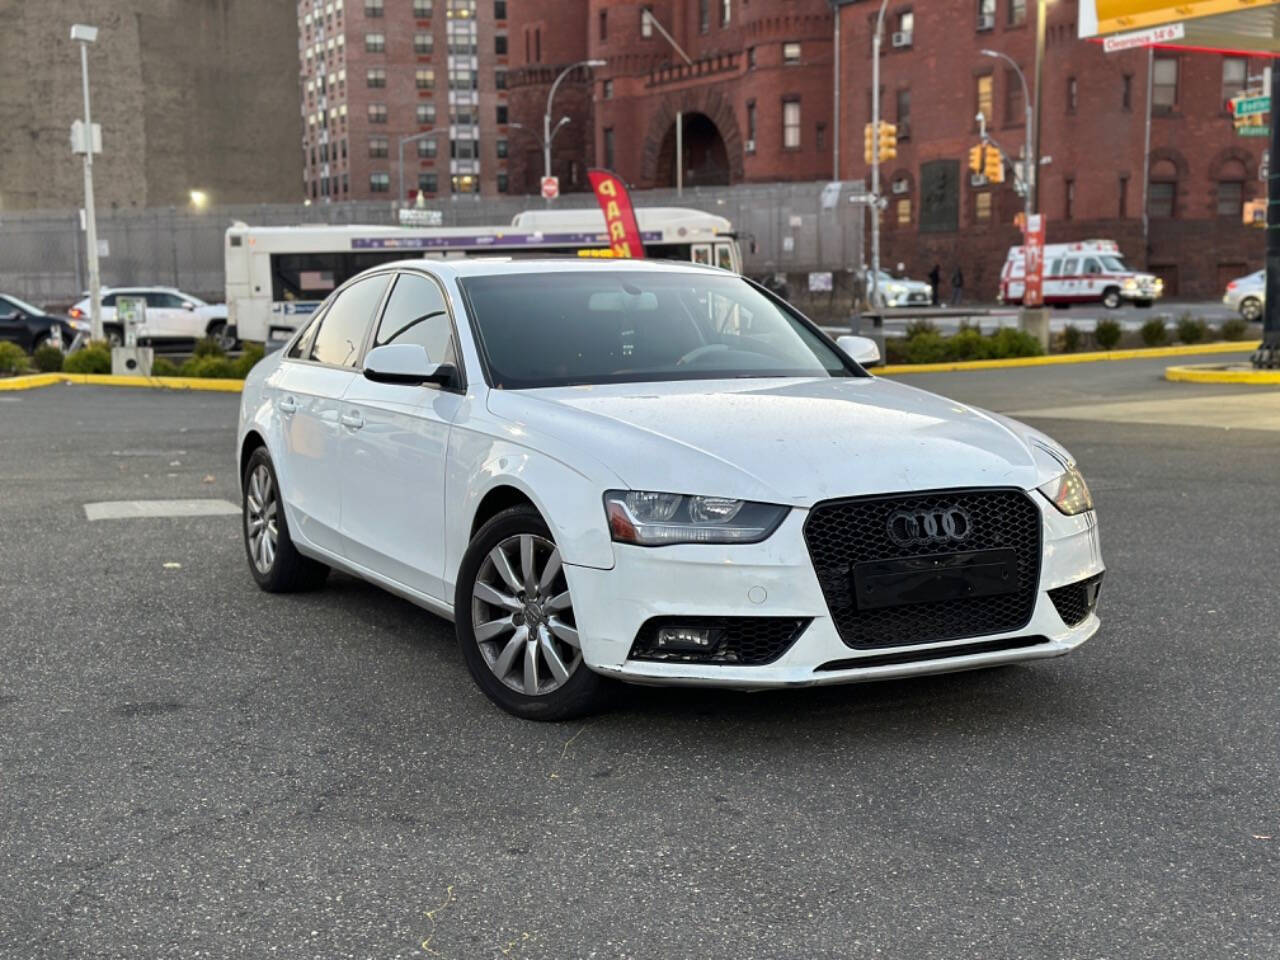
1114	265
24	306
563	328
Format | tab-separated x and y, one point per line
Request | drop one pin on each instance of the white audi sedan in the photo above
653	473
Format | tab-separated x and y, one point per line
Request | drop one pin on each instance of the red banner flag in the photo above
619	215
1033	261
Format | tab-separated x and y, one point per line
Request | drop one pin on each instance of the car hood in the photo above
795	441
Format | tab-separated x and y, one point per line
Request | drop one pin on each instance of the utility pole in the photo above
1042	14
876	40
835	93
85	35
1267	356
648	17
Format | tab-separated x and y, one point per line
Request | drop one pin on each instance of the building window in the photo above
1162	191
1126	92
500	44
503	181
1017	12
537	45
904	212
791	124
982	206
604	25
502	113
460	9
646	24
704	15
426	113
427	182
377	146
1231	190
465	183
606	90
1164	84
375	43
751	126
1073	94
791	53
985	92
499	9
373	8
427	148
423	43
906	28
377	113
346	183
820	136
503	147
425	77
1068	199
904	114
464	149
376	77
422	9
1234	77
379	182
1014	106
751	58
1124	196
608	148
986	14
726	12
462	78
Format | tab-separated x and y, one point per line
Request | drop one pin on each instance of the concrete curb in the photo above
107	380
1214	373
1151	353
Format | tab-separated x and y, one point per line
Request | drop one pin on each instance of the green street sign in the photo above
1255	131
1251	106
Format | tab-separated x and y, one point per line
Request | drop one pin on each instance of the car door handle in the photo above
352	420
287	406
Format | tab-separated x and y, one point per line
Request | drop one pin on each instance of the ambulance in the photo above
1090	271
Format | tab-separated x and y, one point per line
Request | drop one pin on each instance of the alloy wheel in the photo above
1251	309
261	508
522	616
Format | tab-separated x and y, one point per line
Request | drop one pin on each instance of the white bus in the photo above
276	276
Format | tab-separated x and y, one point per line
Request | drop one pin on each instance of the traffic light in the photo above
993	166
888	140
868	143
975	158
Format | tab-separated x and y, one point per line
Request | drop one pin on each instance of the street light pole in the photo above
1267	355
1028	171
547	133
400	157
875	152
1034	180
85	35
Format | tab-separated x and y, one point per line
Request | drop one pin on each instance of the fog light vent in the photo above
684	638
745	641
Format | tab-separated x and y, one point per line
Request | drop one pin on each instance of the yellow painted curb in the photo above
107	380
1207	374
1151	353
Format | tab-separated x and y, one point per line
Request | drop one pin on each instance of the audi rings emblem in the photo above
940	525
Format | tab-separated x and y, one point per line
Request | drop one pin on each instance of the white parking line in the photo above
146	509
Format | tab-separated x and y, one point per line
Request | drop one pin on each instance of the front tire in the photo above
514	619
274	561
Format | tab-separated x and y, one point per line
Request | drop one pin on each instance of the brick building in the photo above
190	95
376	71
755	101
934	81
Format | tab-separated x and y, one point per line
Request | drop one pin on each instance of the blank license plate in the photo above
930	579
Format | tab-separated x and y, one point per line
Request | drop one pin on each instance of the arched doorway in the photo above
706	158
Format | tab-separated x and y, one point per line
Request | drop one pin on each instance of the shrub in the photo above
248	359
918	328
209	347
1107	333
1070	339
94	358
48	359
968	344
1234	328
895	350
1154	333
926	348
1008	342
12	359
163	367
1191	329
209	367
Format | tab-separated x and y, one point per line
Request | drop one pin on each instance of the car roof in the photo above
495	266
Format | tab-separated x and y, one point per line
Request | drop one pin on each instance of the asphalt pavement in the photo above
192	768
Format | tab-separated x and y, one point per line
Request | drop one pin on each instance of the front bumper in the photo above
776	579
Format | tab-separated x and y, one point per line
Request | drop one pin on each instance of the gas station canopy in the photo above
1245	26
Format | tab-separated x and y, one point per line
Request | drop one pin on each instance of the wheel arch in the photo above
502	497
251	442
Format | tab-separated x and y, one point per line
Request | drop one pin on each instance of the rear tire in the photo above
274	561
1251	309
514	620
113	335
224	335
1111	298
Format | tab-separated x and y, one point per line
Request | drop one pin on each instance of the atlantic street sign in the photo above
1250	106
1254	131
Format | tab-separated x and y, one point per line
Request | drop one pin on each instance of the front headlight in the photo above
656	519
1069	493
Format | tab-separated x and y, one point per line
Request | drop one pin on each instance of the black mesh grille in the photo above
841	533
1076	601
747	641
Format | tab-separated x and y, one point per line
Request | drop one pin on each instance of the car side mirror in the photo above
862	350
406	363
188	305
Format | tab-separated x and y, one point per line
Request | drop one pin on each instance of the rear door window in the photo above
1070	267
346	323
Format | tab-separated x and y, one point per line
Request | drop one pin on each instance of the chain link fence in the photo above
782	228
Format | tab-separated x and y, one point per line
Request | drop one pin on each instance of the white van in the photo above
1090	271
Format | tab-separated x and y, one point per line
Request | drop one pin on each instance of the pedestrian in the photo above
957	286
935	283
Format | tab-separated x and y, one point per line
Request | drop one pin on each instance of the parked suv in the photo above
171	315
